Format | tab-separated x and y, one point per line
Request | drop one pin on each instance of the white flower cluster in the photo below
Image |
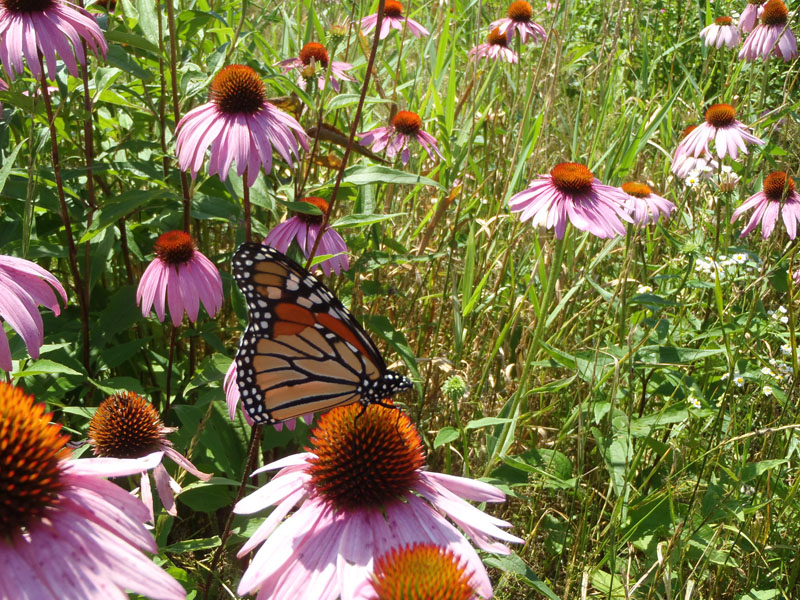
726	265
780	315
694	402
724	177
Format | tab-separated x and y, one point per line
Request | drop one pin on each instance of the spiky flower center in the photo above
31	450
393	8
237	89
126	425
321	204
723	21
721	115
174	247
688	130
26	6
314	51
364	458
422	572
634	188
778	185
572	178
407	122
775	13
497	39
520	11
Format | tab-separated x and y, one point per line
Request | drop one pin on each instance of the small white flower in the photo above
692	179
786	349
739	258
694	402
722	257
782	309
724	376
784	320
767	389
644	289
768	371
739	381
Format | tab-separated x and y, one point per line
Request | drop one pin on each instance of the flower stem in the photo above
248	229
353	129
72	251
172	340
252	455
173	71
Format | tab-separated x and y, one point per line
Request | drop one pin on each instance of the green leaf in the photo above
486	422
362	220
384	329
361	175
8	163
43	366
445	436
514	564
148	19
753	470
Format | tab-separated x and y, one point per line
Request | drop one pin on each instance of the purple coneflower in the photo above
354	508
405	126
683	164
392	19
66	532
519	19
572	193
645	206
23	287
38	30
778	196
312	56
721	125
181	274
496	47
771	36
240	126
232	398
750	15
721	31
304	229
421	570
126	425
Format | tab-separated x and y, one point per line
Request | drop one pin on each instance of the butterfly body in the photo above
302	351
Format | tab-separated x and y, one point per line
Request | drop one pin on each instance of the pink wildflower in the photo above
41	30
182	275
240	126
354	509
519	19
66	532
778	197
571	192
645	206
771	36
405	127
750	15
304	229
392	19
721	126
313	62
495	47
23	287
721	31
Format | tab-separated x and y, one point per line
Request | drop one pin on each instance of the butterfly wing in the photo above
302	350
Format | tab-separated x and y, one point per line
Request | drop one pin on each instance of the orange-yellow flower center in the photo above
688	130
422	572
572	178
723	21
393	8
634	188
174	247
720	115
520	11
496	38
321	204
126	425
31	450
237	89
364	458
778	185
315	51
775	13
407	122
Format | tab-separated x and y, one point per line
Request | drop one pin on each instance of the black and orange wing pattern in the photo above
302	351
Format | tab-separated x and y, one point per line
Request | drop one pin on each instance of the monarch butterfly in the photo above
302	351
